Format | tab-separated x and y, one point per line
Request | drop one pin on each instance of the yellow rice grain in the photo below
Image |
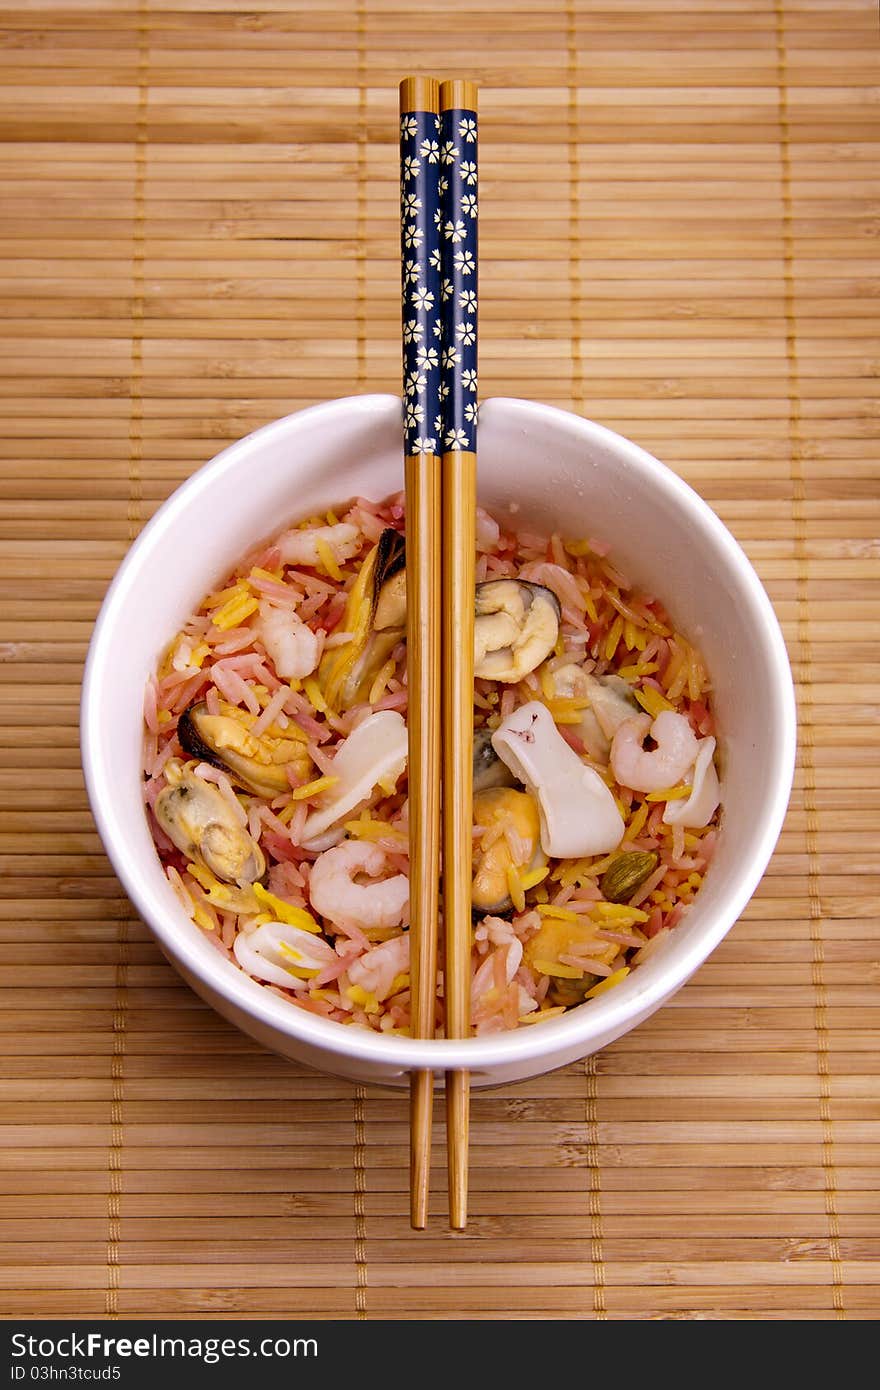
359	996
329	563
564	914
652	701
635	672
310	789
555	967
285	912
515	889
533	878
222	596
201	916
315	695
365	828
566	711
541	1014
636	823
600	865
577	548
608	983
614	634
233	613
618	912
377	689
671	793
275	576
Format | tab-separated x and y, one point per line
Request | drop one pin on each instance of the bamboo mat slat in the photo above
198	235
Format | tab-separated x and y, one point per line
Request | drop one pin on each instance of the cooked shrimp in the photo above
302	547
664	766
377	970
337	894
292	645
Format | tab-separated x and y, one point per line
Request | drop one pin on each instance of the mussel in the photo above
517	851
515	628
489	770
611	701
198	819
375	615
224	740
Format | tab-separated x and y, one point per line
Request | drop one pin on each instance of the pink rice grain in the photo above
218	945
622	938
267	559
648	887
586	963
281	847
338	639
310	607
150	706
222	782
233	688
284	595
367	522
296	825
322	760
162	840
271	821
677	843
150	753
572	738
397	700
353	933
271	712
310	726
228	643
162	757
311	584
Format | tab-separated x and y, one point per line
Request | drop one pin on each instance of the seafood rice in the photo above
275	771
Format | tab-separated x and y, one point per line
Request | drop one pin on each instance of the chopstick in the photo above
420	267
458	156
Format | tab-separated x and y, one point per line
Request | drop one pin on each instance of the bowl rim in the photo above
610	1014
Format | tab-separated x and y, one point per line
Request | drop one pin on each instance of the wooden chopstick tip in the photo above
419	94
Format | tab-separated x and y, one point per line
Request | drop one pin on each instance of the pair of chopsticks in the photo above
438	184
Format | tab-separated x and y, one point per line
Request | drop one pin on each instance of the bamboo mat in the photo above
679	238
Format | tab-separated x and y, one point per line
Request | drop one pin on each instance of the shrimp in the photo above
301	547
377	970
663	766
337	894
292	645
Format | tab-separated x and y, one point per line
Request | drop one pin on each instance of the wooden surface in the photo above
679	238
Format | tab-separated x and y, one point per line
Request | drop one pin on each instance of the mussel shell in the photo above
489	770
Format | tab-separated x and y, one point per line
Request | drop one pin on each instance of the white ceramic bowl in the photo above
555	470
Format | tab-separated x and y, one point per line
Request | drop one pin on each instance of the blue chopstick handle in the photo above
458	289
420	274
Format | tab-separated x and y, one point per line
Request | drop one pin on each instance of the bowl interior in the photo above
542	469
